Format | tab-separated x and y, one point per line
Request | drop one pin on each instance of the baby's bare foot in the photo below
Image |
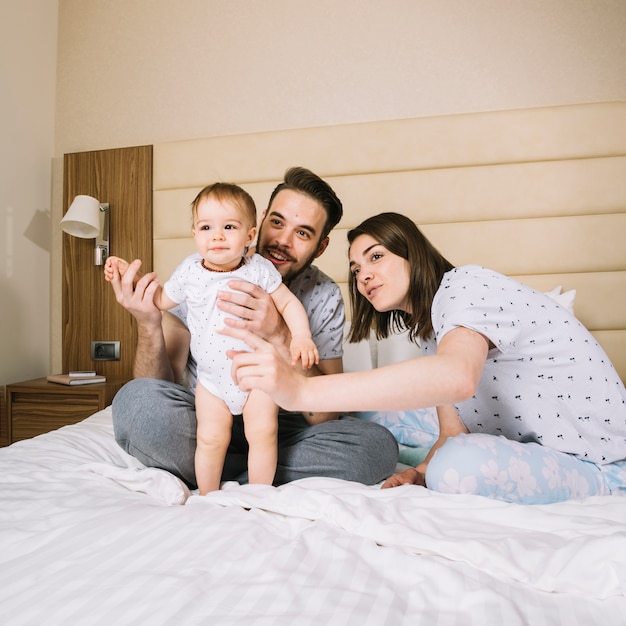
114	262
122	266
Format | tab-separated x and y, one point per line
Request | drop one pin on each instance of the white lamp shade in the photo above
82	218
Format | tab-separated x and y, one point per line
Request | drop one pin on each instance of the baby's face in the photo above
221	233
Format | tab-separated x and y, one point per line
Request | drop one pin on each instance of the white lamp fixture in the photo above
88	218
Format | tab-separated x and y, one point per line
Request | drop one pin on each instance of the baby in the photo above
224	226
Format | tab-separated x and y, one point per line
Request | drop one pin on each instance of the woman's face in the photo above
381	276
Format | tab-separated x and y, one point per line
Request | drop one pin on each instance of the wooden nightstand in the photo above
38	406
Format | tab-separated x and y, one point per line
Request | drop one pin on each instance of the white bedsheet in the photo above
90	536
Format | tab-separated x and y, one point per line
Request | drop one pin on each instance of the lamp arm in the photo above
102	240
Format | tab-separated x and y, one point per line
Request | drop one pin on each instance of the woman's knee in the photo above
512	471
454	467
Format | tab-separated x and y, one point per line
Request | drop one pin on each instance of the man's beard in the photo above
293	272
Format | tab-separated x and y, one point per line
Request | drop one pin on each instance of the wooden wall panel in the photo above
123	178
4	418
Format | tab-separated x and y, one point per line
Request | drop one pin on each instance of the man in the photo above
154	416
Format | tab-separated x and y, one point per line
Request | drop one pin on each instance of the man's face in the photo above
290	232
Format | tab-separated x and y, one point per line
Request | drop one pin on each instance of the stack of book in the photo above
77	378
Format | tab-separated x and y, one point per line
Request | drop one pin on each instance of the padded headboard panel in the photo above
538	194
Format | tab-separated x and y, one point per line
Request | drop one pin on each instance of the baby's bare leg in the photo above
213	436
260	419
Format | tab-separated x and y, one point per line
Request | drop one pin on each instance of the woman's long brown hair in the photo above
401	236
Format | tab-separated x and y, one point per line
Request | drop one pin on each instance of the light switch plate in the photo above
105	350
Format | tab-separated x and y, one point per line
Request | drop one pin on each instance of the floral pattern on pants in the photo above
526	473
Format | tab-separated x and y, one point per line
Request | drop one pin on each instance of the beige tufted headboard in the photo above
538	194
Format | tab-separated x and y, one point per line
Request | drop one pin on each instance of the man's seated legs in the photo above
155	421
346	448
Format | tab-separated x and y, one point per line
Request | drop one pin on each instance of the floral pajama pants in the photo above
526	473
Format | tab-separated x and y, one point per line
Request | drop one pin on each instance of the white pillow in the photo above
371	353
357	357
564	299
418	428
397	347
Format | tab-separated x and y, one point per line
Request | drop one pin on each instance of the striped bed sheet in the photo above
90	536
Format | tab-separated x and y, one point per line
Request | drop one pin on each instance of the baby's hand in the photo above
303	348
113	262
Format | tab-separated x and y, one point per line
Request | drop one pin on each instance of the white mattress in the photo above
90	536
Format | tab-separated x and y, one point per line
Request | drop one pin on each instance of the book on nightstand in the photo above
72	379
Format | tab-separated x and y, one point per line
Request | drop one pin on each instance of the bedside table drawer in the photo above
37	406
34	414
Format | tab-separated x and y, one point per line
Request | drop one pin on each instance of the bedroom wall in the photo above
134	72
28	39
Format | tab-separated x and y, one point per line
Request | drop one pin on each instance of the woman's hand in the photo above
450	425
410	476
264	369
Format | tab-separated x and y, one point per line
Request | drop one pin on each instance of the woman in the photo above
530	408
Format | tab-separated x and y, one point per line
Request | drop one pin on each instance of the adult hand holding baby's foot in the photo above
112	264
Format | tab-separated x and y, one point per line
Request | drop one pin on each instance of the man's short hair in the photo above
304	181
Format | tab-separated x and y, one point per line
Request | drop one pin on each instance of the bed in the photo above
90	536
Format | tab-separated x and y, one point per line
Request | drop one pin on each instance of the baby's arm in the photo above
161	300
302	344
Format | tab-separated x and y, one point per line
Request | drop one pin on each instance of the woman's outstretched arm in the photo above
445	378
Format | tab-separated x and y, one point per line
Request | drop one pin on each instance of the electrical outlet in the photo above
105	350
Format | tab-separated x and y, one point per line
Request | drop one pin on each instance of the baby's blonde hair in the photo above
228	192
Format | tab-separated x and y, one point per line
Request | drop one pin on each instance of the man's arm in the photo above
327	366
177	345
160	341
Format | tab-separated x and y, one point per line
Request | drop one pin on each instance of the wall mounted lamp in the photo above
88	218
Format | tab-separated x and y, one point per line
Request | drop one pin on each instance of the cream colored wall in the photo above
134	72
28	30
144	71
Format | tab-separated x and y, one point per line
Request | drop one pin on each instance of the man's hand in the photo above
253	309
115	264
154	357
137	299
